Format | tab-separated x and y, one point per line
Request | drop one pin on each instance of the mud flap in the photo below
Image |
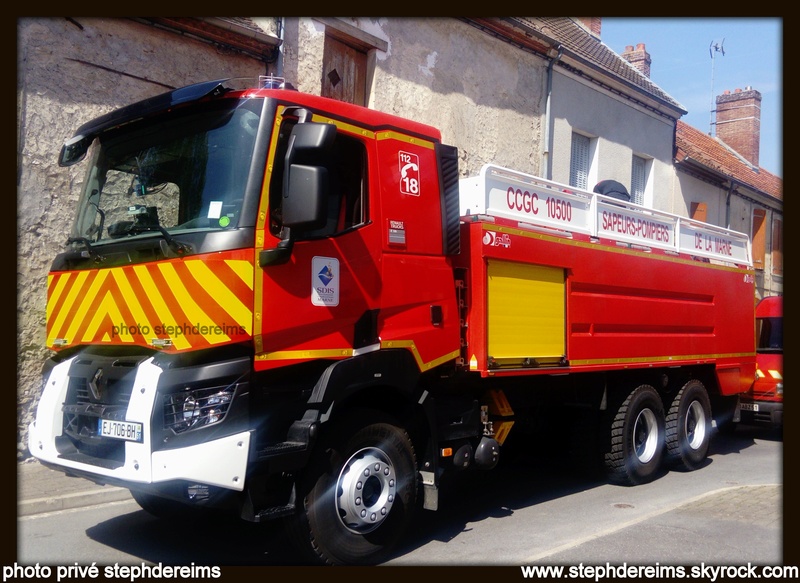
430	491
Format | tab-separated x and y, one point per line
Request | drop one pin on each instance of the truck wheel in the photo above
359	496
688	426
637	438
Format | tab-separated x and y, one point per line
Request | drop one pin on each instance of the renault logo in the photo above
97	384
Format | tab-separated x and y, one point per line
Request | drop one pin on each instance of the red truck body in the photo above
342	303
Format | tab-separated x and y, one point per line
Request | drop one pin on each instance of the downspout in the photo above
547	162
279	63
728	204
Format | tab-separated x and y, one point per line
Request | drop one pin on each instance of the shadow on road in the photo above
216	541
531	473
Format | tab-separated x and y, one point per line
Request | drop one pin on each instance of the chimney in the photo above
593	23
739	121
639	58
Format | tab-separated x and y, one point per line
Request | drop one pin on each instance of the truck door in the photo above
320	302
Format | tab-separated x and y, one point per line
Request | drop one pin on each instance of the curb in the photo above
68	501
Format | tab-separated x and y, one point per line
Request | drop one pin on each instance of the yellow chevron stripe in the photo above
83	306
56	293
193	311
131	300
242	268
154	295
107	307
71	297
221	293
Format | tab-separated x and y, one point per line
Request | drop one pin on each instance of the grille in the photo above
93	393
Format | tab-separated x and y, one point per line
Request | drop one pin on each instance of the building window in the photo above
777	245
580	162
759	237
638	179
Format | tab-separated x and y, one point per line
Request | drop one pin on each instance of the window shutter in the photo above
759	237
638	179
579	163
777	245
699	211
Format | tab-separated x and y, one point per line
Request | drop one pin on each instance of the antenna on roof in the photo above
714	47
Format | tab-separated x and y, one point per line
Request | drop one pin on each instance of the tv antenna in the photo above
713	48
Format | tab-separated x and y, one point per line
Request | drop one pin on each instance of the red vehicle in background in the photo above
764	402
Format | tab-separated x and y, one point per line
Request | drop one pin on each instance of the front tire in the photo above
636	438
358	498
688	426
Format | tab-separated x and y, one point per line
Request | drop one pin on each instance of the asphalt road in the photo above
538	510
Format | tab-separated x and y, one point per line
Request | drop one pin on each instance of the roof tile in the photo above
715	155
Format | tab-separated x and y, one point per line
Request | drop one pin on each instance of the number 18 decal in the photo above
409	173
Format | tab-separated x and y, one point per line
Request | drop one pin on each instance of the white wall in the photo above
621	128
485	96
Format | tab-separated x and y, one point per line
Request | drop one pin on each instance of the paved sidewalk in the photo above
40	489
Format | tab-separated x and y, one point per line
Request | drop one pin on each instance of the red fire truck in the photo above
293	307
763	403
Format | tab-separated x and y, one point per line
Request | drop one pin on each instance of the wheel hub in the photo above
695	425
645	435
365	490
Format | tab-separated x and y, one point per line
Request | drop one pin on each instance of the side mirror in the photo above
305	203
74	150
305	179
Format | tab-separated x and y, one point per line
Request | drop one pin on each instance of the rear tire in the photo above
636	438
358	498
688	426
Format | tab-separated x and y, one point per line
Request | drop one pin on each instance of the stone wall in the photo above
70	71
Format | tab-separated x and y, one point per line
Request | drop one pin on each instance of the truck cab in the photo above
763	403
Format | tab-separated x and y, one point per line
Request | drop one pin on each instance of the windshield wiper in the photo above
90	251
174	244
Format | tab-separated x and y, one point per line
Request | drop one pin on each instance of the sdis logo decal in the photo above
325	281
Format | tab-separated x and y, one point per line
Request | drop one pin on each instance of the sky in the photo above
688	67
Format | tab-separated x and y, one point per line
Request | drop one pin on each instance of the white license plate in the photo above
749	407
120	430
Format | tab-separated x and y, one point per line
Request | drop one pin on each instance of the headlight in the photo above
193	408
779	389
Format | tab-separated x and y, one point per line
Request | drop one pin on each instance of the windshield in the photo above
769	332
183	173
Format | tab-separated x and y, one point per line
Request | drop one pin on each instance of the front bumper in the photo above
220	462
762	412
